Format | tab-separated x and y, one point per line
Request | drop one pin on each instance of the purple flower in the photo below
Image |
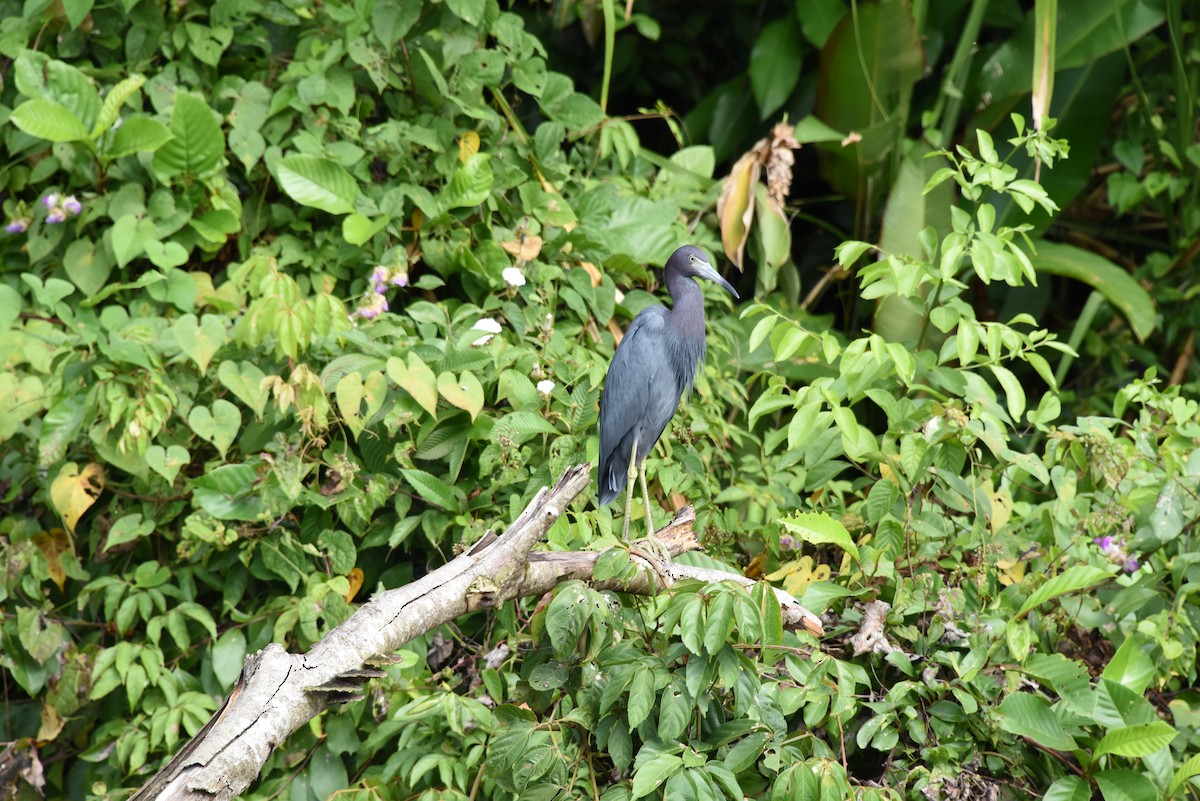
379	279
1131	564
50	200
72	205
18	225
400	279
787	542
1106	543
56	215
368	312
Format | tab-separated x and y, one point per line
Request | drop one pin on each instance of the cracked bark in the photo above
279	692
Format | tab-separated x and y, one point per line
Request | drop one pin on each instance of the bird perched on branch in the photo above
654	365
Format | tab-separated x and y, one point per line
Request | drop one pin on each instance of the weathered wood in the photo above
278	692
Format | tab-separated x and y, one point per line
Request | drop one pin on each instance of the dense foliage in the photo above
296	299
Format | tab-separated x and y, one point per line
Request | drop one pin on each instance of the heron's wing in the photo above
640	396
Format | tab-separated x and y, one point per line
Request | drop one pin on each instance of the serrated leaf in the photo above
317	182
137	135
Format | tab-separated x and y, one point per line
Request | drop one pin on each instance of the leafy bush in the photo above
298	299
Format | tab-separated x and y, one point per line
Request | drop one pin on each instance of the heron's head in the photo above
691	260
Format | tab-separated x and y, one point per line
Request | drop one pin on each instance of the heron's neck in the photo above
687	302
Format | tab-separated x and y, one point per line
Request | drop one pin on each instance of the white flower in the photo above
545	387
487	325
513	276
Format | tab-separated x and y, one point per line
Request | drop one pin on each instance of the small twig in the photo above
1184	361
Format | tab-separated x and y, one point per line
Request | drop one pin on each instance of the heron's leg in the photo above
629	476
646	499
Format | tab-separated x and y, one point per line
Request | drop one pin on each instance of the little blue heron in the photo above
654	365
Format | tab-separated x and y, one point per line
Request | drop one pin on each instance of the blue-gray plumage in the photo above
654	365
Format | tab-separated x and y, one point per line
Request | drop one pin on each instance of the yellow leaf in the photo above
803	573
1011	571
468	146
52	724
74	491
356	582
526	248
53	544
735	208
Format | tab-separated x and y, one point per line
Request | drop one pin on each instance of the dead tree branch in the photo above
279	692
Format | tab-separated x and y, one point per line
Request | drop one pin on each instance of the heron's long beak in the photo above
706	271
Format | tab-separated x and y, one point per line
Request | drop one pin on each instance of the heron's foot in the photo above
653	550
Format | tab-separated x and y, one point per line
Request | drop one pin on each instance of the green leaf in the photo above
198	143
465	391
1068	788
641	696
87	266
432	489
1072	579
1117	286
357	229
775	63
113	102
137	135
566	616
220	425
1186	771
228	654
1027	715
469	11
470	185
200	341
77	11
1136	741
818	528
1014	393
245	380
317	182
1126	785
48	120
127	529
167	461
416	379
719	623
647	777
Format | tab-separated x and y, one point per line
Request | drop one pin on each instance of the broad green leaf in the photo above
219	425
317	182
469	11
470	185
641	697
819	528
432	489
245	380
1186	771
648	777
200	340
127	529
463	391
198	143
228	653
1073	579
358	229
1027	715
137	135
1068	788
1122	784
416	379
167	461
87	266
775	63
77	11
1116	285
565	617
1136	741
48	120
